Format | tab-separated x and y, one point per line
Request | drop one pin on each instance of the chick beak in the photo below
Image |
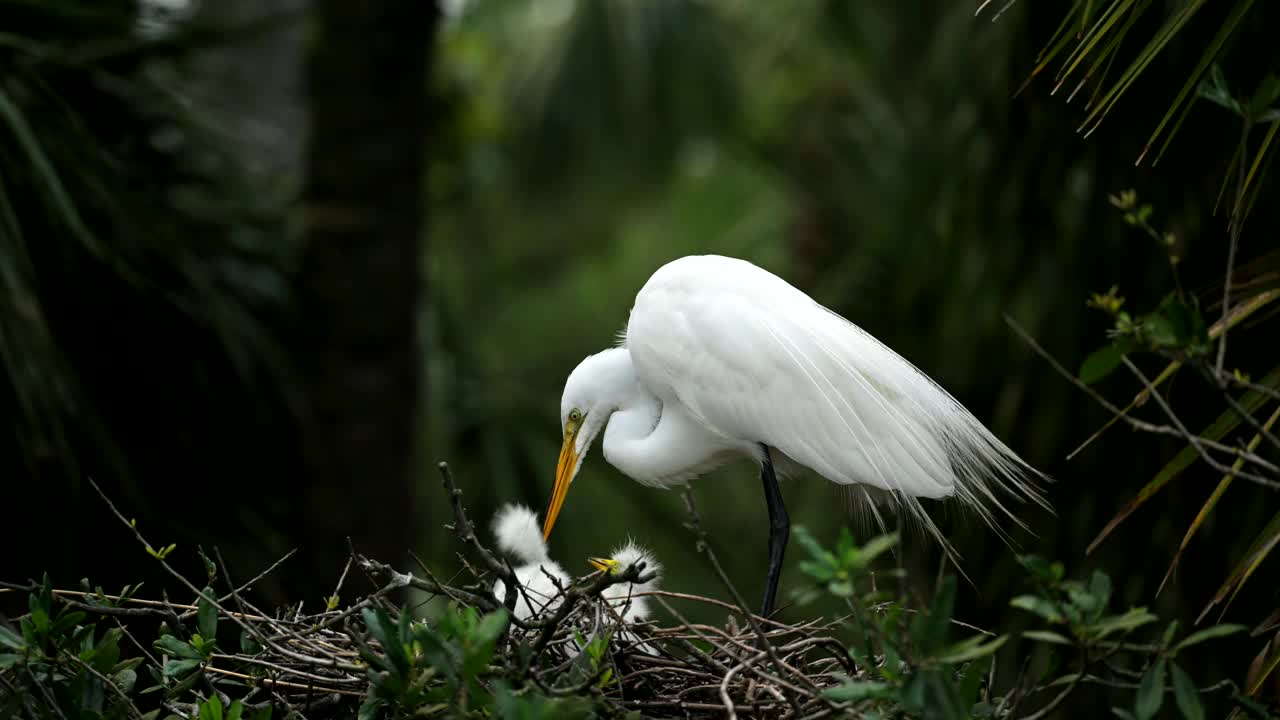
607	564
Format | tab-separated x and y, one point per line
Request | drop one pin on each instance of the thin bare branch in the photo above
1199	443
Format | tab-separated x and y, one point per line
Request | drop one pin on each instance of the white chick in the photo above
518	533
626	598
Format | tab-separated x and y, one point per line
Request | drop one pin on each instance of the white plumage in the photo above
720	357
627	598
628	603
753	359
516	529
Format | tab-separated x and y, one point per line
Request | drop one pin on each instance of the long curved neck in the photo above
634	413
652	443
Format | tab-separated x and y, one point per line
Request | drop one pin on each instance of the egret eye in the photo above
575	415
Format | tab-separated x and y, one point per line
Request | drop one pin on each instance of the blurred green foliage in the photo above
876	156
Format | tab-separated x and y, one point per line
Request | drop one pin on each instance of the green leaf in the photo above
1150	691
8	660
1039	606
171	645
1262	545
130	664
369	708
933	694
859	690
107	651
1047	572
236	709
929	629
1214	89
248	645
490	627
207	615
1091	600
211	709
11	639
29	636
1172	25
1047	636
971	683
481	642
805	539
210	570
1160	331
1100	363
971	649
1268	91
1186	693
1211	52
1208	633
186	683
1100	587
387	634
39	616
1134	618
877	546
65	621
126	679
83	638
438	654
1255	708
174	668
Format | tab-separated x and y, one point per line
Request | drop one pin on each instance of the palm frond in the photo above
117	207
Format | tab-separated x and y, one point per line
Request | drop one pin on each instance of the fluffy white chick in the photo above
626	598
519	534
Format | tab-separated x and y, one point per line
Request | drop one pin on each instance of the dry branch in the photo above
312	665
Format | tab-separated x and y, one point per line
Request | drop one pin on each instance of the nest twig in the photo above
312	664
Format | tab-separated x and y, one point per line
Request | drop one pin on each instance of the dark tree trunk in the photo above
360	281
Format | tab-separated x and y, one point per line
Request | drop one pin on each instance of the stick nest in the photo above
373	659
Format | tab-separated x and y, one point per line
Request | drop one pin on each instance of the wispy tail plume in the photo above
518	533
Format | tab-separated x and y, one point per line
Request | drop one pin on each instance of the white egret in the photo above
722	359
516	530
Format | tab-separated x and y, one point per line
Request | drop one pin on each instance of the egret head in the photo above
591	394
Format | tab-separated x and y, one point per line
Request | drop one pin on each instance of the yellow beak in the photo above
604	564
565	470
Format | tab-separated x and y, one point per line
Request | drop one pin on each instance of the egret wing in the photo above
757	360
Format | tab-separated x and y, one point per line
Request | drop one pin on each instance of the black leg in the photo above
779	531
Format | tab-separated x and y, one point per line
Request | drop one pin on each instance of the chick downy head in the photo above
623	596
